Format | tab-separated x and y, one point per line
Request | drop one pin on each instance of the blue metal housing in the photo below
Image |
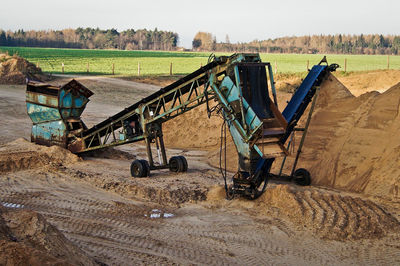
55	111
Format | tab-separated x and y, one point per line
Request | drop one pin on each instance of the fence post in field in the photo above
276	67
308	65
388	62
138	68
345	64
87	68
113	67
62	67
170	69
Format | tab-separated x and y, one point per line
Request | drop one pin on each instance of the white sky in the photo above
242	20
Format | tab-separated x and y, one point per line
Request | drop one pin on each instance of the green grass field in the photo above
158	62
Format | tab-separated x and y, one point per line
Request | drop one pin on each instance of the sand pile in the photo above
26	238
22	154
193	129
328	214
353	144
15	70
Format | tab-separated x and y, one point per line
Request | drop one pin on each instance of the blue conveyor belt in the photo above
302	97
301	93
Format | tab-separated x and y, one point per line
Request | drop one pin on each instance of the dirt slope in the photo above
26	238
21	154
15	70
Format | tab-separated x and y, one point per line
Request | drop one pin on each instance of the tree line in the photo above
337	44
143	39
90	38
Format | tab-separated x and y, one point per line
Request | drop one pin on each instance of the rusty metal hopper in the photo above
55	111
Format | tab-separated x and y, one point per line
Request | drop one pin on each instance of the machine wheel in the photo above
147	167
185	164
302	177
140	168
176	164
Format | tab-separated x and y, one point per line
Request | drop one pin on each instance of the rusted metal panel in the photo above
39	113
46	100
50	133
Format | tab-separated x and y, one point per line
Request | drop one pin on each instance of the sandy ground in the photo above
181	219
378	80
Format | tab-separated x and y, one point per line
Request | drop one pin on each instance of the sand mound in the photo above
193	129
26	238
15	70
353	142
354	145
328	214
22	154
332	90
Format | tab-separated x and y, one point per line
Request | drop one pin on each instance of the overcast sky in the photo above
242	20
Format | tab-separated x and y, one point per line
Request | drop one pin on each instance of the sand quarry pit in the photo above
58	208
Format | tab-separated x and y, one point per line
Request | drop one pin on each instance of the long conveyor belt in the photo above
200	73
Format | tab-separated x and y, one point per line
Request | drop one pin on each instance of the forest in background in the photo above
143	39
90	38
315	44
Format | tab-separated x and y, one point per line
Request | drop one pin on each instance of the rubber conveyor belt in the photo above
302	97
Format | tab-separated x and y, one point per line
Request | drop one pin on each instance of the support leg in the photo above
305	131
163	153
149	154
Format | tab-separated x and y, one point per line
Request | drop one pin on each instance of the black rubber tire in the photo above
184	162
302	177
147	167
138	168
176	164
